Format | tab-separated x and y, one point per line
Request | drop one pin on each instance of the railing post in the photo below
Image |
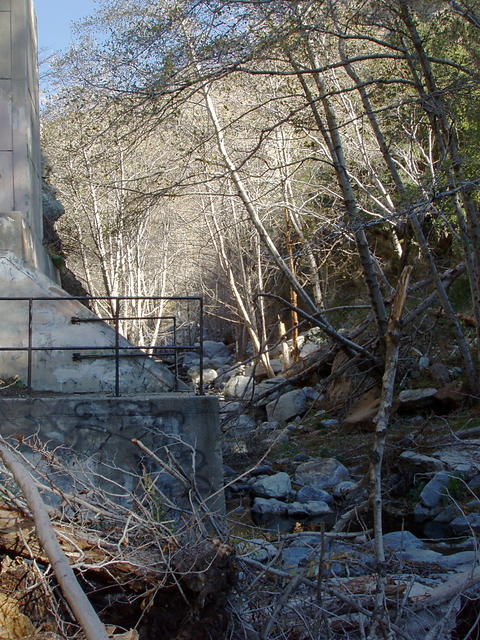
175	351
30	344
200	327
117	347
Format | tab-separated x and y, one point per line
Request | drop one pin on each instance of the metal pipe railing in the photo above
118	349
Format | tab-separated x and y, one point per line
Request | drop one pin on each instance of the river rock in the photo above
416	398
399	540
309	494
278	485
420	556
466	523
433	491
269	385
461	561
209	375
268	509
291	404
214	349
312	509
321	473
418	463
343	488
238	387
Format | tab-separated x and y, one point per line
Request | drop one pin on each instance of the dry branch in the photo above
76	598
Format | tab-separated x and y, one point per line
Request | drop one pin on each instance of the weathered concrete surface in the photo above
21	224
52	327
101	429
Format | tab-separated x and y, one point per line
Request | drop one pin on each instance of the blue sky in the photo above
54	22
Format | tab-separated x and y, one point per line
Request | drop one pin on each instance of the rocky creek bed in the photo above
297	489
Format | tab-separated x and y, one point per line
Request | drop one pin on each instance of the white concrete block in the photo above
6	181
5	45
5	5
5	115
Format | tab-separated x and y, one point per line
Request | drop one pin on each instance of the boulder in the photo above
268	510
238	387
399	540
269	385
214	349
466	523
209	375
312	509
343	488
278	485
321	473
420	556
418	463
434	489
309	494
260	371
291	404
416	398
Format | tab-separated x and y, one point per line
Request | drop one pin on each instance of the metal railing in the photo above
140	351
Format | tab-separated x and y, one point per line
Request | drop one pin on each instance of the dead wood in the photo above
78	601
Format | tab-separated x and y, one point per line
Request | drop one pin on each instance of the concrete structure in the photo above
185	427
21	223
101	429
25	268
52	327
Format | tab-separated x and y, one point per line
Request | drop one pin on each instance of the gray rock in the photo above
290	404
399	540
278	485
458	560
261	470
423	363
432	492
463	461
328	423
308	348
231	407
422	513
420	556
260	371
321	473
209	375
448	514
190	360
301	457
418	463
309	494
238	387
308	509
343	488
214	349
268	426
416	397
269	385
466	523
268	509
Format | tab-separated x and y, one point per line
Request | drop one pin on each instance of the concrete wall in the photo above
21	222
52	327
102	428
